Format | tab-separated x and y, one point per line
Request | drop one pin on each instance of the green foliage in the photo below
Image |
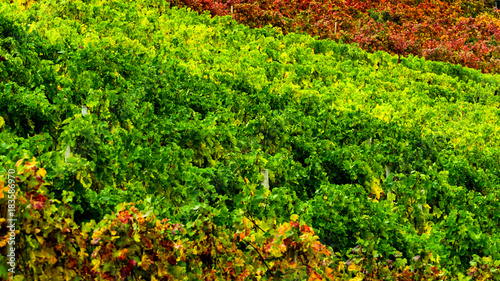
395	156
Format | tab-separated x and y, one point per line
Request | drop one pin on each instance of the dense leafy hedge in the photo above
392	161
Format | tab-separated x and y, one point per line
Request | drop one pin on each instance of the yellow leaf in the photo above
239	262
391	197
436	260
137	237
4	240
144	22
294	217
375	188
162	271
2	122
32	256
341	266
353	267
41	172
40	239
86	181
357	278
145	262
428	228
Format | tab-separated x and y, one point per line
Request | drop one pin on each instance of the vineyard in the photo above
142	140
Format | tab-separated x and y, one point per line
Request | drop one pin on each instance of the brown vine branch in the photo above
260	255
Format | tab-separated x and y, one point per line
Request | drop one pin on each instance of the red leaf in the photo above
306	229
38	202
124	216
72	263
125	271
168	245
171	260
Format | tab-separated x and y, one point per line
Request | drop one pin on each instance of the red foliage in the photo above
38	201
168	251
463	32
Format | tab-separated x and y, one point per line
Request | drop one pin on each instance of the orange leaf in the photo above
306	229
329	273
31	164
122	254
314	276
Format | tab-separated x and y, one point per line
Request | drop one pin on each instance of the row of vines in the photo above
459	32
